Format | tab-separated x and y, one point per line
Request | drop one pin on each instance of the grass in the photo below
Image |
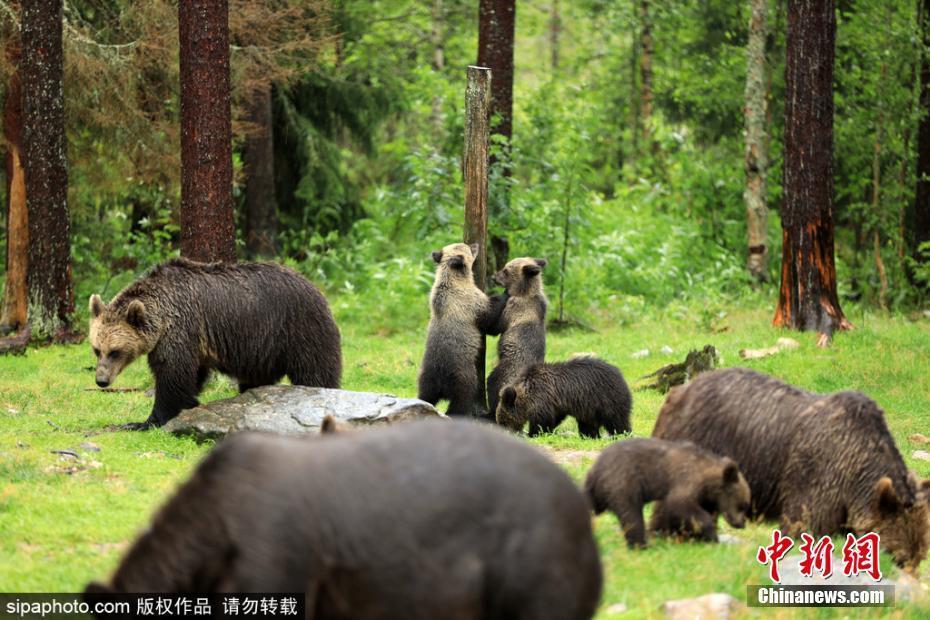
65	521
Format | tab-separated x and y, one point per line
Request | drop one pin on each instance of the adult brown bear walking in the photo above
256	322
422	520
821	464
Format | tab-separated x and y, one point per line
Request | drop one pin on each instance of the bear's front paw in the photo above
137	426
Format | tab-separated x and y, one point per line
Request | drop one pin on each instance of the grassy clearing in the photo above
64	521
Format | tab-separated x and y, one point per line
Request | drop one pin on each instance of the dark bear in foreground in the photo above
256	322
691	485
522	324
586	388
459	315
822	464
423	520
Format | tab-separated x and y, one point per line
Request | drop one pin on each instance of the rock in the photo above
616	608
89	446
294	410
920	455
640	354
710	606
918	438
666	350
729	539
908	588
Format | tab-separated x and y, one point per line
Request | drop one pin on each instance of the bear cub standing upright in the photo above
692	485
253	321
522	323
460	313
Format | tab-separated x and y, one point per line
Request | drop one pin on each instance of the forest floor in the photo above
66	517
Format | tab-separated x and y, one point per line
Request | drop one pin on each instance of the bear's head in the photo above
456	258
521	275
902	523
511	407
119	333
731	493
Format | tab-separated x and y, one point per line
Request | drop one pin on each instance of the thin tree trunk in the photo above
14	315
756	163
876	193
51	293
261	207
808	299
496	20
555	29
207	229
439	59
636	98
645	71
921	219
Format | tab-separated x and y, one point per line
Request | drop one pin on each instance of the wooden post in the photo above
477	105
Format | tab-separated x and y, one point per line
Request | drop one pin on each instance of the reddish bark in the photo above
16	290
496	20
261	209
51	294
921	218
808	298
207	229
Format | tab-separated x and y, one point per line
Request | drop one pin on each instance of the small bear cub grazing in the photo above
691	485
522	324
254	321
586	388
459	315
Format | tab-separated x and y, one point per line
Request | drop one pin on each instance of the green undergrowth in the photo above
66	520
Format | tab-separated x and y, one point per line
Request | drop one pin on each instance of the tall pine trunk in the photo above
437	39
645	74
51	293
756	162
14	313
808	299
261	208
921	217
555	30
207	229
496	21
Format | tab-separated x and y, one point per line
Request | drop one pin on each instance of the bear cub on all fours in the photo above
586	388
522	323
256	322
460	313
692	486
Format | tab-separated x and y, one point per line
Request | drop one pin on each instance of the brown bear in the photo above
460	313
423	520
821	464
522	324
692	486
586	388
256	322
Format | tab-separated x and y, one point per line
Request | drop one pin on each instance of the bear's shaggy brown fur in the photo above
522	324
256	322
460	313
588	389
423	520
691	485
821	464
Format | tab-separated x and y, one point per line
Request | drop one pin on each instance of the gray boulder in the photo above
294	410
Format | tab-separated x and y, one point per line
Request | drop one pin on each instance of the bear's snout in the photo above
102	382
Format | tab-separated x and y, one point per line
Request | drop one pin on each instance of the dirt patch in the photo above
569	456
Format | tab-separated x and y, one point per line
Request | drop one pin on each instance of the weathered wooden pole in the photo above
477	105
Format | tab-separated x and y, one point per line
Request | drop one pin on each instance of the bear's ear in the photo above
509	397
730	472
531	270
474	249
135	314
886	500
542	262
96	306
437	256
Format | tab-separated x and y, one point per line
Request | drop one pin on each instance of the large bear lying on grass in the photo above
431	519
254	321
821	464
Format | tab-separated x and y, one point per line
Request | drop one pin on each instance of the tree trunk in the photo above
207	229
555	29
921	228
808	298
496	19
439	60
51	294
756	163
645	72
16	290
261	208
876	195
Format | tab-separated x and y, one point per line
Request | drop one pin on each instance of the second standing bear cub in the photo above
254	321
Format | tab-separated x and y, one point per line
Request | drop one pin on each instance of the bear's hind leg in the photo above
592	430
